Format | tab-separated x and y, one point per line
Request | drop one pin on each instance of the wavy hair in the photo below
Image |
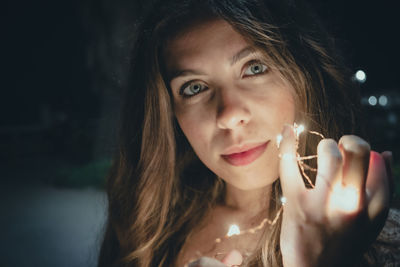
158	189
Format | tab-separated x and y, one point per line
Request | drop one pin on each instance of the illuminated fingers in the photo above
329	169
355	152
341	180
337	197
291	180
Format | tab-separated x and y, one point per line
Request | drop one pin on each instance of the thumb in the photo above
234	258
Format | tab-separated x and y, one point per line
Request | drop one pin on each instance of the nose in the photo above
232	111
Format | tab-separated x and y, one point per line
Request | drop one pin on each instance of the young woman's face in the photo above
228	102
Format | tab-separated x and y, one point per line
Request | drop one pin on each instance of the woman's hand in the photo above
233	258
335	222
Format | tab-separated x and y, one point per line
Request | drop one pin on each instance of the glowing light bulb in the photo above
278	140
344	198
299	129
233	230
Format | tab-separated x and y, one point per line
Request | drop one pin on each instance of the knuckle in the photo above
355	144
326	145
321	219
330	148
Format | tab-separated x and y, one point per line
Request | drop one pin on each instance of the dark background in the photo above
64	64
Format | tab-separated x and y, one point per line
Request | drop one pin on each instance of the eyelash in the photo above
248	65
190	83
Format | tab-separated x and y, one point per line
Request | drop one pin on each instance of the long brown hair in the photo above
158	189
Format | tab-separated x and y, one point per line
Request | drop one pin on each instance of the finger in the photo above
377	187
355	152
388	158
291	179
206	262
329	168
234	258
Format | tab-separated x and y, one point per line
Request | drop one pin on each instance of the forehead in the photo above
202	41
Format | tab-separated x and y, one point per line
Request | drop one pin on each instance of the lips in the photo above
245	155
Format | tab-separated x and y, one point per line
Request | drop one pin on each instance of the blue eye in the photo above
193	88
255	68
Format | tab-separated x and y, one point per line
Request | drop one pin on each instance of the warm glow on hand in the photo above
299	129
344	198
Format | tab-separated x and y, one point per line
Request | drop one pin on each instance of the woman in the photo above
214	83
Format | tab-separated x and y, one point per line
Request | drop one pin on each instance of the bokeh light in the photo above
361	76
372	100
383	100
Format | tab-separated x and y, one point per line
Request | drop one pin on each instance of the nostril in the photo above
232	116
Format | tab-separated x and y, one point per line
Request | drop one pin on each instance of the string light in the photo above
341	198
298	129
283	200
234	229
279	140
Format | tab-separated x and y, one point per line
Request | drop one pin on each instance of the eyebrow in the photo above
242	54
182	73
237	57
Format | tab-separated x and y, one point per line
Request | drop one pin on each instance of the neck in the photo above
248	201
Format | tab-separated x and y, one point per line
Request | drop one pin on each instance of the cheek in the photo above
276	99
195	129
289	116
278	110
288	107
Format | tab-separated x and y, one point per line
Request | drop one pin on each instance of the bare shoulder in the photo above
386	249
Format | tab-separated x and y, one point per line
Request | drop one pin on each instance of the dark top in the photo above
385	251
